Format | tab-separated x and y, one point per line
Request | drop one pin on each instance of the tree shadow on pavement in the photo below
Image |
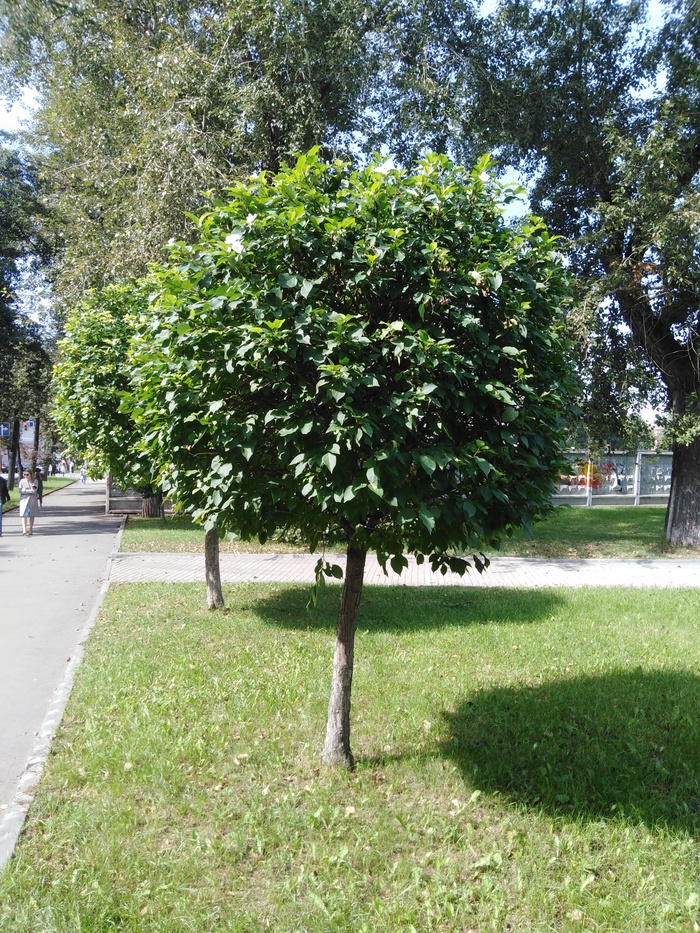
621	746
407	609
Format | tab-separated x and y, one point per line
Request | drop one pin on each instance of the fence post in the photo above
637	477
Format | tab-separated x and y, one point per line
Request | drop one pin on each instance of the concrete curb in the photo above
16	813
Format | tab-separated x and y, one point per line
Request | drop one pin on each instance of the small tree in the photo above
93	380
90	380
368	354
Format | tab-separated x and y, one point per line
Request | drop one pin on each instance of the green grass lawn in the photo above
602	531
179	534
526	761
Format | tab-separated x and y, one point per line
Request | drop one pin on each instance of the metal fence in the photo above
643	478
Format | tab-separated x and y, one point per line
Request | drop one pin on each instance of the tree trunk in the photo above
152	504
336	750
212	570
682	525
678	368
35	447
15	457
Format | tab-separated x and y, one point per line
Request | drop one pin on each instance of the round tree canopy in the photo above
366	353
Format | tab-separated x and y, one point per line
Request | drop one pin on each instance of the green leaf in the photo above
428	464
329	461
427	518
398	563
373	481
286	280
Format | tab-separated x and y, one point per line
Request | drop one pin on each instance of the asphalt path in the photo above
49	584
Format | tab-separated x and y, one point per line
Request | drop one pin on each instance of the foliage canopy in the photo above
91	378
372	354
144	107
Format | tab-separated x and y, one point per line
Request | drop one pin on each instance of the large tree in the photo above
145	106
619	179
371	355
90	378
602	111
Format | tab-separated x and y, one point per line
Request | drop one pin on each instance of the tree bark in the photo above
212	570
679	368
15	456
336	750
152	504
682	525
35	447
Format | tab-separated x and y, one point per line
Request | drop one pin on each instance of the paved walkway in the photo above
53	584
50	583
503	572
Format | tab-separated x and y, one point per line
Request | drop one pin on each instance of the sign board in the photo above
4	429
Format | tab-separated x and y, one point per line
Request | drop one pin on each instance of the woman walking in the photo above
28	501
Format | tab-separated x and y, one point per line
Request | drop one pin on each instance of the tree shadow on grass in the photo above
623	746
408	609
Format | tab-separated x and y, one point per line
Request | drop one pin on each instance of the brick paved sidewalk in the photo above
504	571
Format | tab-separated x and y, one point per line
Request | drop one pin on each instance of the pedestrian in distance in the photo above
4	497
28	502
83	474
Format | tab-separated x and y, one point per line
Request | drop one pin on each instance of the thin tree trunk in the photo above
35	448
682	524
212	570
15	457
336	750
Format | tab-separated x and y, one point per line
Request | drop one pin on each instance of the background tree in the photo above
91	379
602	113
145	106
23	351
368	355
